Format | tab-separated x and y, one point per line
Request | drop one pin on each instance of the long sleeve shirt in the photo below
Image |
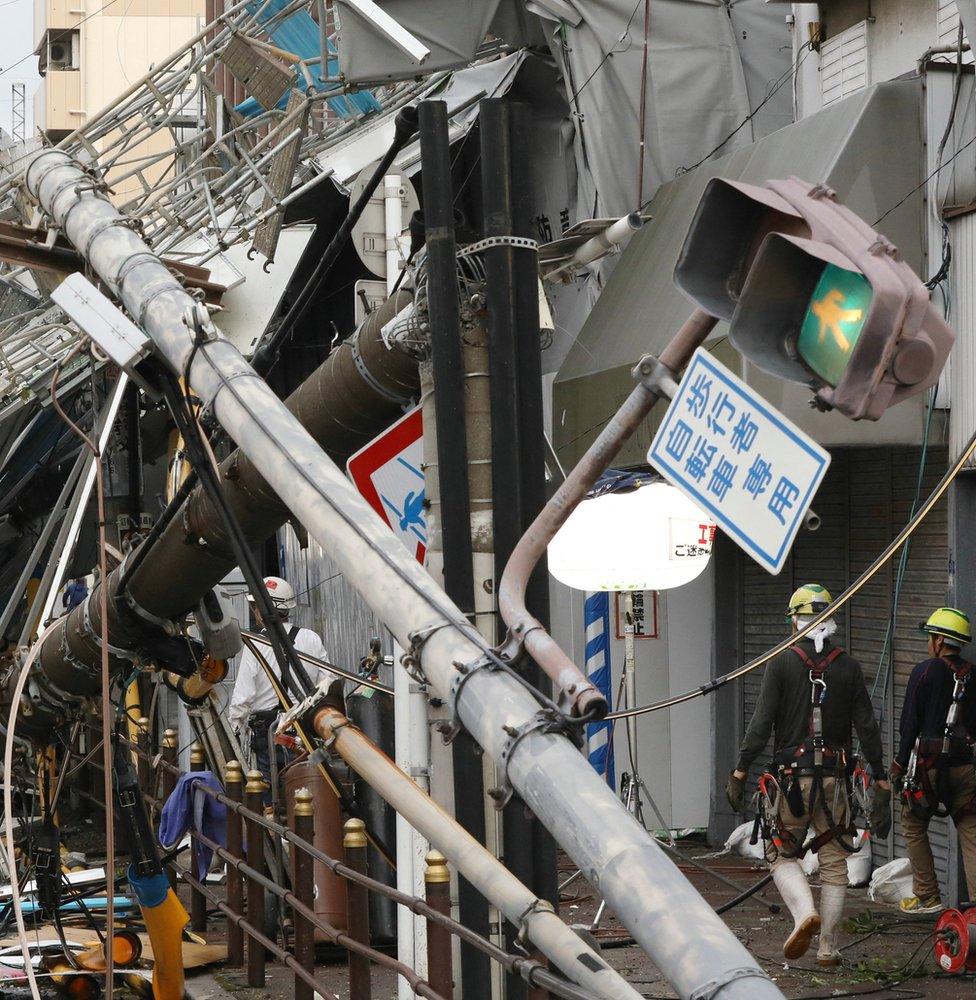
784	708
928	698
252	689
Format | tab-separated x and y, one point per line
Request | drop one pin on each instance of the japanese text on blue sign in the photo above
739	459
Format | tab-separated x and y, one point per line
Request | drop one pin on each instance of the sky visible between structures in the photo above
16	41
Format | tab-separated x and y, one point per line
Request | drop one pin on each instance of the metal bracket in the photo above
371	380
411	657
169	627
536	906
117	651
656	377
518	242
464	672
543	721
711	989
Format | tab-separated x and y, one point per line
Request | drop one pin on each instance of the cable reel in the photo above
955	941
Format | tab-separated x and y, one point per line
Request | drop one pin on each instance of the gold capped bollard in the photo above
234	787
168	759
437	889
357	908
303	880
198	901
254	800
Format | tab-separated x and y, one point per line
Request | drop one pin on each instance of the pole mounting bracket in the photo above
656	377
711	989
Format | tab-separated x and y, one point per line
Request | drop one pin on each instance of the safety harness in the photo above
811	759
935	754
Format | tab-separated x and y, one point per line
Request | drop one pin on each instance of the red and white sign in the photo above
388	472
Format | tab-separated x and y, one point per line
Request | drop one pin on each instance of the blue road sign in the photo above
739	459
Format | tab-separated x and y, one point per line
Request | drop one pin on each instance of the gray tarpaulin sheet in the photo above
710	64
847	146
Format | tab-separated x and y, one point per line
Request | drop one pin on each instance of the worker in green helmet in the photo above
934	765
812	695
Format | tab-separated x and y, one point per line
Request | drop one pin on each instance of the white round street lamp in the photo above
649	538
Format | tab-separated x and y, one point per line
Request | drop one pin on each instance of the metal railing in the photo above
248	884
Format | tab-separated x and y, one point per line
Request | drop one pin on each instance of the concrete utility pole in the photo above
690	944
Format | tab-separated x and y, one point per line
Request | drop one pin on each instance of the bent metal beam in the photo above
689	943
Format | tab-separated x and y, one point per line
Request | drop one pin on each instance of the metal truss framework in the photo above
197	176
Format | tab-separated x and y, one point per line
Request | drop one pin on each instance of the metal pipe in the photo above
538	643
540	873
451	523
485	872
692	947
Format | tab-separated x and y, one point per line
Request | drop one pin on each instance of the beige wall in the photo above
55	14
57	102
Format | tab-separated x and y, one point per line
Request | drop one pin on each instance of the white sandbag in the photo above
859	863
891	883
738	843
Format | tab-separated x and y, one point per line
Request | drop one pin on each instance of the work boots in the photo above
831	910
795	890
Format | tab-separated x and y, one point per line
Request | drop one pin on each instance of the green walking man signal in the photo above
813	294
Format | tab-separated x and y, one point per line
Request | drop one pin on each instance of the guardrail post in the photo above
357	908
303	882
253	794
143	758
170	753
437	889
234	787
198	902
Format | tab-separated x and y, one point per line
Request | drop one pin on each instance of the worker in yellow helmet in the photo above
812	695
934	764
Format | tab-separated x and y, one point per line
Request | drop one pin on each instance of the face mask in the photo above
820	634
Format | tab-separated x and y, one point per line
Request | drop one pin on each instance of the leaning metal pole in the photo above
692	947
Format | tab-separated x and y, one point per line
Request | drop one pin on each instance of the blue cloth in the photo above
75	593
299	34
190	808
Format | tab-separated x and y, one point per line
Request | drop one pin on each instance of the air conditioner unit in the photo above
59	54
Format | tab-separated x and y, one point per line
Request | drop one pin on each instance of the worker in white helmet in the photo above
254	702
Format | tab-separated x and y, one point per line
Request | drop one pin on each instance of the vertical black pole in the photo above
541	877
452	463
507	192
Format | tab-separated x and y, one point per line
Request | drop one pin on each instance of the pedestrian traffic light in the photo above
813	294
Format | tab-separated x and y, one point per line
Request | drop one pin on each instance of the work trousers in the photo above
833	858
962	792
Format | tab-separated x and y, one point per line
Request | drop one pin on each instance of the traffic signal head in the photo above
813	295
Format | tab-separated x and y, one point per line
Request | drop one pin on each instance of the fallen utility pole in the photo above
691	946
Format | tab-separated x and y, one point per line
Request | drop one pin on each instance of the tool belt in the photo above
939	754
813	759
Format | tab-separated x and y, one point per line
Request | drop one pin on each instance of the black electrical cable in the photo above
281	644
288	662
